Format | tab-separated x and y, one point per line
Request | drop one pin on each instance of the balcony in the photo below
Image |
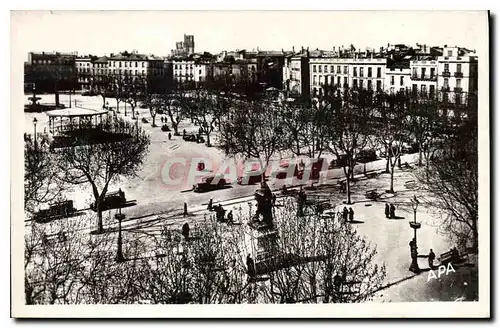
457	90
423	77
446	73
458	74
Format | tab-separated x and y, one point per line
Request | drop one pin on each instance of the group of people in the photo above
220	212
347	214
390	211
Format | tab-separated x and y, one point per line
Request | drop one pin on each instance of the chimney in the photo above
293	49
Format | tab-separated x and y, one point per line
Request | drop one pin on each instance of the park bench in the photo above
410	184
449	257
372	194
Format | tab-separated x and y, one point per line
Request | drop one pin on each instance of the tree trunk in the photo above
391	189
56	91
103	100
348	188
153	116
175	127
99	219
419	153
117	106
475	242
208	139
388	158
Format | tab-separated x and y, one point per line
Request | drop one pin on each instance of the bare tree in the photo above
134	90
101	85
41	183
118	90
349	117
99	164
318	259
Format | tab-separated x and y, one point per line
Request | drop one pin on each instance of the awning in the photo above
75	112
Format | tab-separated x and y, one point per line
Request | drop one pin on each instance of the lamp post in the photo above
34	128
119	252
137	122
413	244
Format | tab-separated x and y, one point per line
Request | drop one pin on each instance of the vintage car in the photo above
190	137
366	155
208	183
113	199
57	210
250	177
340	161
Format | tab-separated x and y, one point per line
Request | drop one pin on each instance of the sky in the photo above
155	32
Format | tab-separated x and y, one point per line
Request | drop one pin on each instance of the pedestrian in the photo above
185	230
230	217
183	133
161	119
431	258
169	136
351	214
337	282
185	209
392	211
345	213
250	266
387	210
210	202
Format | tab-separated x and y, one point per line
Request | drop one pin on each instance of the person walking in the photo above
345	213
351	214
230	217
185	230
210	204
161	119
387	210
431	258
185	209
250	266
169	136
392	211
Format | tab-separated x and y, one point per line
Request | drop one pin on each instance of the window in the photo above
446	83
369	84
319	68
320	79
450	53
414	89
433	71
136	64
379	85
423	72
459	83
120	64
345	82
361	71
355	71
338	81
392	80
379	72
345	69
431	91
423	89
338	69
355	83
446	67
326	69
361	84
314	80
459	68
331	69
414	72
401	80
143	64
199	72
314	68
369	72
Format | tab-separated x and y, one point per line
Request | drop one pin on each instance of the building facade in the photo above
397	77
50	71
184	48
296	75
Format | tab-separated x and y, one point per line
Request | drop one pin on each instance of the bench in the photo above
372	194
447	257
410	184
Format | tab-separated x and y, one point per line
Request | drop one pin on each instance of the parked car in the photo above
250	177
189	137
340	161
114	199
208	184
57	210
366	155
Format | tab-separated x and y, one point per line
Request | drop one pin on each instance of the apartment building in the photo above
457	74
397	76
424	76
50	71
296	80
84	67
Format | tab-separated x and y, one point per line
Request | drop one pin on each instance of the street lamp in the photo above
34	128
119	252
413	244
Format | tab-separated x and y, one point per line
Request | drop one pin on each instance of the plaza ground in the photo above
159	205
